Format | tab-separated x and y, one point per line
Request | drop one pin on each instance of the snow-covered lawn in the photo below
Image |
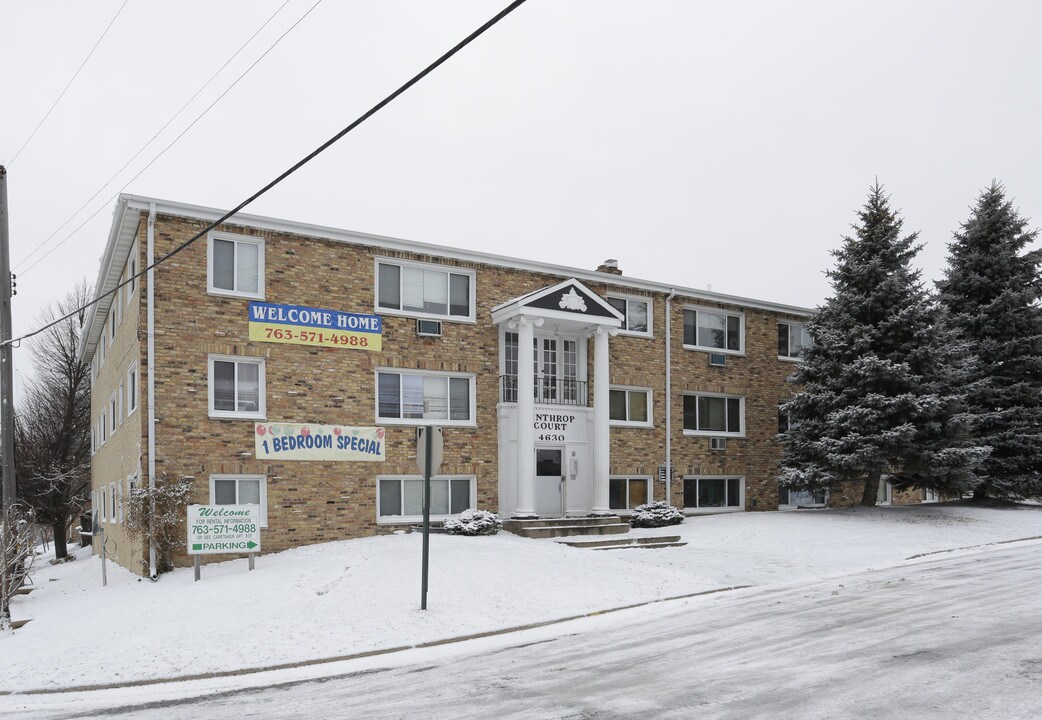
356	595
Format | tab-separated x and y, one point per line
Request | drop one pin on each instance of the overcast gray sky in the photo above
724	145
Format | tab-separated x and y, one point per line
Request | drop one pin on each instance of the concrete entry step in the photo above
630	542
641	546
566	526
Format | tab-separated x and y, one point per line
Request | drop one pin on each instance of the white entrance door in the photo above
549	472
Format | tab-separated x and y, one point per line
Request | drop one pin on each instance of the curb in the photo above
358	655
974	547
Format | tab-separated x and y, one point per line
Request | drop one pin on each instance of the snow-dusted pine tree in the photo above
990	291
875	398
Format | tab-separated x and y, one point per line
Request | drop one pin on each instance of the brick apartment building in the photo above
250	359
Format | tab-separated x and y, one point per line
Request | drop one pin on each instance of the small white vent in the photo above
428	328
717	359
717	443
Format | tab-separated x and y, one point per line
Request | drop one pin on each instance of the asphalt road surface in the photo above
945	637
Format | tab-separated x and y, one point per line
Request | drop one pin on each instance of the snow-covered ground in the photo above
348	597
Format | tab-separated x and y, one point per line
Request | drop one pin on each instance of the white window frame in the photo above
103	427
211	289
93	438
791	324
113	409
131	272
237	477
103	516
740	507
448	269
624	329
122	400
103	344
717	433
113	322
261	412
632	423
716	311
470	377
649	491
405	519
132	389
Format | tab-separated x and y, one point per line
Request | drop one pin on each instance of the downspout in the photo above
151	359
669	400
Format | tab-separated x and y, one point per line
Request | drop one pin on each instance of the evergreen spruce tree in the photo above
877	397
990	291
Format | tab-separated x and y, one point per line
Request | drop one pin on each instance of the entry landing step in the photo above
567	526
646	543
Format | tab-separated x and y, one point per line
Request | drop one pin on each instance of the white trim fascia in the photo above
137	202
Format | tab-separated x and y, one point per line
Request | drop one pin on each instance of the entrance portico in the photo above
546	423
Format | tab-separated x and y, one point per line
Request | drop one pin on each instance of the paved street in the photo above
942	638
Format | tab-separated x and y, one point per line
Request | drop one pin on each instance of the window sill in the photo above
717	433
635	333
712	510
218	292
785	358
625	424
411	519
715	351
459	319
238	416
422	422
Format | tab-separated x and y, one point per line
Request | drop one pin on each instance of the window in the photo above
427	290
236	265
117	503
122	399
635	311
93	438
104	514
629	406
792	338
627	493
131	389
113	322
113	413
784	422
714	330
408	397
714	415
103	427
400	499
103	344
236	387
714	492
131	273
241	490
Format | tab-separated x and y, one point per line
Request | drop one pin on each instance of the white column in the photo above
525	501
601	436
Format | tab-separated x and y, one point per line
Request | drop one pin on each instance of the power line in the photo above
157	134
292	169
69	84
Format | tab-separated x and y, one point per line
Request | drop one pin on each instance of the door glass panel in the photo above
638	493
548	463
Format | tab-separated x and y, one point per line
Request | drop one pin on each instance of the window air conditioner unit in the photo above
717	359
717	443
428	328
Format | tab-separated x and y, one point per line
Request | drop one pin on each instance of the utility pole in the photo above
6	370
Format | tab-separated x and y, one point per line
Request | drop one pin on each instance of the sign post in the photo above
430	443
223	529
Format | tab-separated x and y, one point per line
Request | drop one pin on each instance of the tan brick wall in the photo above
122	454
318	501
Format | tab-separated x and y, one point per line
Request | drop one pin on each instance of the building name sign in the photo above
293	441
558	427
216	529
297	325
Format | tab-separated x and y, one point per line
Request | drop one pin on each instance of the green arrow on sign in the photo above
250	545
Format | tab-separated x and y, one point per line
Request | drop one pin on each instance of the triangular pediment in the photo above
568	299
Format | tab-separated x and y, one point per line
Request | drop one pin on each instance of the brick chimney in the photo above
610	266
